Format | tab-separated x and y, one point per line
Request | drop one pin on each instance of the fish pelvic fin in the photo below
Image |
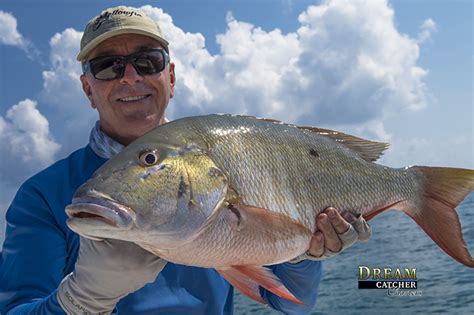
247	280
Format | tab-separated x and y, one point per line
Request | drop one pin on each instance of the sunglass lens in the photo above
149	62
107	68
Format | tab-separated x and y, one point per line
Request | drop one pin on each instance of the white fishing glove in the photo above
105	272
359	230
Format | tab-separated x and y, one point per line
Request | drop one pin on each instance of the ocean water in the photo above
445	286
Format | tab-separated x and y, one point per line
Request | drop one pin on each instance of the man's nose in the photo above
131	76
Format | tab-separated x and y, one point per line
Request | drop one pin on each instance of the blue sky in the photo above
398	71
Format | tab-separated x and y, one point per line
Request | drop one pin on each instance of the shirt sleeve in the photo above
34	256
302	279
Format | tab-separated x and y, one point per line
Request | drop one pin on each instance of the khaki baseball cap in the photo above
116	21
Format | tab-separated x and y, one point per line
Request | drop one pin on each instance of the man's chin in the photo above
140	125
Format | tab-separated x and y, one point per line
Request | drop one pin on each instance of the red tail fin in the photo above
443	190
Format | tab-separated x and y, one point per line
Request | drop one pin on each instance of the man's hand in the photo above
105	272
334	233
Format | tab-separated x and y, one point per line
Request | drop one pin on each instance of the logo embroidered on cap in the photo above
106	15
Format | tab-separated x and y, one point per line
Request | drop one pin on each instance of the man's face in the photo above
133	105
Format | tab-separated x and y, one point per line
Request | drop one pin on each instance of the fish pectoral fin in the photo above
255	219
247	280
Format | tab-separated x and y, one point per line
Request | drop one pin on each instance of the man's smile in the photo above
133	98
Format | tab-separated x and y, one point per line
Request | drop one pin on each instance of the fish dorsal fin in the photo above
367	149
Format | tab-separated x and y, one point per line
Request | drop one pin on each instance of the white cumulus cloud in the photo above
427	28
346	64
357	65
9	34
62	87
26	142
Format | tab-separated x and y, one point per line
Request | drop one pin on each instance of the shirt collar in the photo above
103	145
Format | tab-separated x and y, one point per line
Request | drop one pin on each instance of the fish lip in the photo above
90	207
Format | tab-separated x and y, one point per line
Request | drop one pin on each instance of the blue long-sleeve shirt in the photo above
39	250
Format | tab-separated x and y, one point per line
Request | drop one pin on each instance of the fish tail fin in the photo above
442	191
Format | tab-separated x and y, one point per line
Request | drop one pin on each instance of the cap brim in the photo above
99	39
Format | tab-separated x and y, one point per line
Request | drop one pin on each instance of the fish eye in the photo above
149	157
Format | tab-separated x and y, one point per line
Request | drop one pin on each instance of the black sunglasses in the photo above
145	62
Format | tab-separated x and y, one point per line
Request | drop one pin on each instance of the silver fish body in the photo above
221	191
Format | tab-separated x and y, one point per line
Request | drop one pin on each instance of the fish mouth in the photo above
93	208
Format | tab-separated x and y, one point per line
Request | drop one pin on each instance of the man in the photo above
129	80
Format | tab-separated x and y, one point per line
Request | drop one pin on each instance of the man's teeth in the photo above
132	98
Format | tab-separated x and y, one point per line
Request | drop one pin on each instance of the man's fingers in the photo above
334	233
316	247
339	224
331	240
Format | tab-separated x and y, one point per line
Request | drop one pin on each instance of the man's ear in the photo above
86	87
172	79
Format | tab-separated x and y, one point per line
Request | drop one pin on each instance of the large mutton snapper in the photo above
236	193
